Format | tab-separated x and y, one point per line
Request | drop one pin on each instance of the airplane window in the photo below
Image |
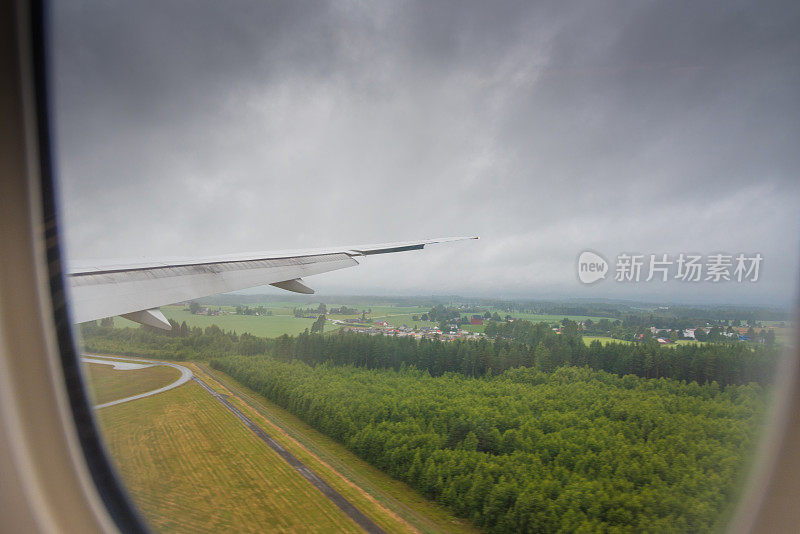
285	318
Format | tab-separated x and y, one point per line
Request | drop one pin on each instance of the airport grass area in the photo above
191	466
350	475
107	384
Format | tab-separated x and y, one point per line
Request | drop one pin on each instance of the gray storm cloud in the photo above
548	129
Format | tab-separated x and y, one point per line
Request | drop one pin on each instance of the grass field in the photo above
784	335
107	384
266	326
354	478
548	318
191	466
605	340
283	320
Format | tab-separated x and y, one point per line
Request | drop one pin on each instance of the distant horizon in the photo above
260	292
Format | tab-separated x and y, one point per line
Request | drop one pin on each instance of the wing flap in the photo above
152	317
296	286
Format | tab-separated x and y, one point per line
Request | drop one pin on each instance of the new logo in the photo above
591	267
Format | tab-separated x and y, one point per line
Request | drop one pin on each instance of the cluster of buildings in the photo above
734	334
382	328
210	312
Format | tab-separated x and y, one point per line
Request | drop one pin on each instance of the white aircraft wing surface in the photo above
136	290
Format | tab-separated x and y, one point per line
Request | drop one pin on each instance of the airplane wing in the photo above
136	290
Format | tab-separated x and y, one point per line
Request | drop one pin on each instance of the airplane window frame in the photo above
109	485
755	510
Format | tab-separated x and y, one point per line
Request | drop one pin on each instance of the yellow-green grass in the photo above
343	470
381	515
382	310
477	328
548	318
784	335
192	466
400	319
108	384
262	326
605	340
283	321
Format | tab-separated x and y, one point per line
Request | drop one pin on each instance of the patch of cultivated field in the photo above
378	311
400	319
605	340
262	326
548	318
283	320
191	466
357	480
107	384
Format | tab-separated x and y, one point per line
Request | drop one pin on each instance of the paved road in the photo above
186	375
118	366
334	496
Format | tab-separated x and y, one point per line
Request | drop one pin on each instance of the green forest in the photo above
573	450
530	432
527	345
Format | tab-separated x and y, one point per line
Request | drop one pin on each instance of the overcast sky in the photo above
198	128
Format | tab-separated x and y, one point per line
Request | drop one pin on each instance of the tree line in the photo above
518	344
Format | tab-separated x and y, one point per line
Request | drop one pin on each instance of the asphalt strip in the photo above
186	375
333	495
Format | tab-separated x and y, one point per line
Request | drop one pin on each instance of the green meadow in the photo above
282	321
